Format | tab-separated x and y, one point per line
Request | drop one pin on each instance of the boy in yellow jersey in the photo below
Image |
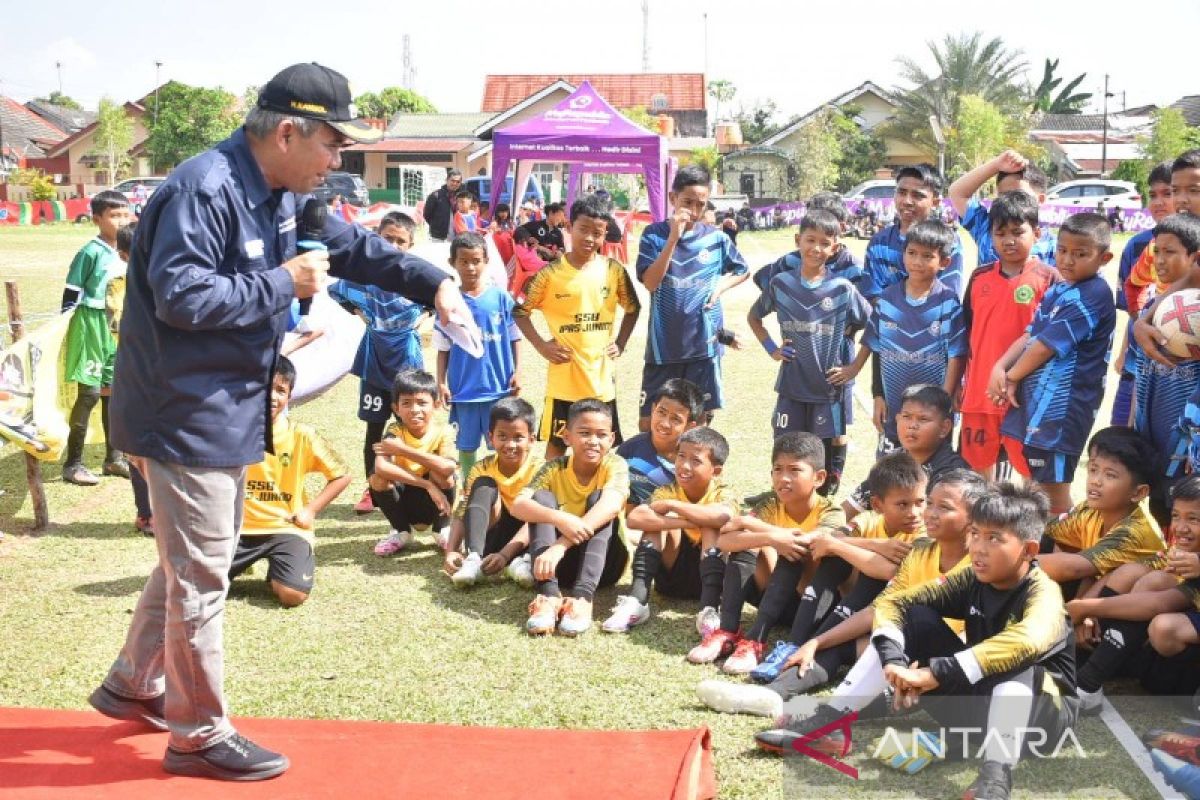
680	523
578	294
1009	681
897	485
780	528
573	508
1111	527
416	465
278	518
495	539
838	641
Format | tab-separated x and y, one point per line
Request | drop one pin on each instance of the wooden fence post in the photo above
33	468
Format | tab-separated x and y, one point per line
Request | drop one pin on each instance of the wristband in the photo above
769	345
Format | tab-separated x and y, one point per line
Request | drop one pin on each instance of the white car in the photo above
882	189
138	190
1090	192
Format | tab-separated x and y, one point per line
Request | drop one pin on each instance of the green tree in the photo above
722	91
1170	136
707	157
59	99
862	152
816	152
113	138
186	120
1067	101
39	183
392	100
638	115
758	122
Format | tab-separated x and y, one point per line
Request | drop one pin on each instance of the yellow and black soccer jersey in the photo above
1006	630
438	440
558	477
717	495
580	307
509	485
275	485
1132	539
869	525
922	565
823	515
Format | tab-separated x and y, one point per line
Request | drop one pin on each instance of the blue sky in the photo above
772	49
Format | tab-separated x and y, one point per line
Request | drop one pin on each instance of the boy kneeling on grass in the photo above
573	508
277	522
1014	676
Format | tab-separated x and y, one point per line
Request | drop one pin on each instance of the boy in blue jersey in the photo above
916	331
1053	376
686	265
918	193
816	313
471	385
1162	392
677	406
390	344
1013	173
842	264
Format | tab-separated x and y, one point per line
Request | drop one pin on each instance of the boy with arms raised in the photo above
1013	173
1053	376
578	295
1019	655
680	523
573	506
471	385
677	406
816	313
686	264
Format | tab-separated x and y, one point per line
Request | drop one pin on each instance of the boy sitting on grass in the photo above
573	507
1018	659
277	522
677	406
496	539
679	526
415	469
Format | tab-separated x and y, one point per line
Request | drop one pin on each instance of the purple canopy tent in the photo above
585	129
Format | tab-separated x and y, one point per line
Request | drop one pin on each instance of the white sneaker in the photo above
707	621
520	571
627	613
470	571
739	698
393	543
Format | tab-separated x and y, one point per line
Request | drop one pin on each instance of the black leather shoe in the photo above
111	704
234	759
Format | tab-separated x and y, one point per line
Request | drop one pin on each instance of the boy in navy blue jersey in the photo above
1013	173
918	193
470	385
686	265
677	406
842	264
1053	376
916	331
816	313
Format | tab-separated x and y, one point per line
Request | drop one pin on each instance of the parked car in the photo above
138	190
881	189
1088	193
349	186
481	186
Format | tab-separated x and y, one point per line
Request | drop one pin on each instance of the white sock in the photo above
1008	713
863	683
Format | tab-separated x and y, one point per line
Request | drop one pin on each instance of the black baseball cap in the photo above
316	92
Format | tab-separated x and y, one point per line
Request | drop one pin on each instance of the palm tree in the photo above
965	65
1067	101
722	91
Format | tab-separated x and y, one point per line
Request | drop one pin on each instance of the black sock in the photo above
712	575
110	454
81	412
647	559
819	598
778	596
739	574
1121	639
478	514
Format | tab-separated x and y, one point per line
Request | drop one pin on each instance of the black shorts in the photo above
374	404
681	579
704	372
554	421
823	420
290	559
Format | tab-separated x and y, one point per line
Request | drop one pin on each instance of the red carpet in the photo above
66	754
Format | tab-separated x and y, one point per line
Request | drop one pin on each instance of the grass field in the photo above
390	639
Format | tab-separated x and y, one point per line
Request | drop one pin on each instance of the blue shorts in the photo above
1042	466
472	421
374	404
704	372
823	420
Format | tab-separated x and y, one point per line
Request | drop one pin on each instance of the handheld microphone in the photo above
308	237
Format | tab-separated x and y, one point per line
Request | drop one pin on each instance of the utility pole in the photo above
1104	135
407	70
58	66
645	35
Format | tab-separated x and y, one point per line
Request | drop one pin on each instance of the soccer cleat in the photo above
627	613
543	615
470	571
911	754
520	571
365	505
149	711
79	475
707	621
117	468
393	543
576	616
745	658
782	740
1184	746
1181	775
994	782
144	525
716	645
233	759
739	698
772	665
